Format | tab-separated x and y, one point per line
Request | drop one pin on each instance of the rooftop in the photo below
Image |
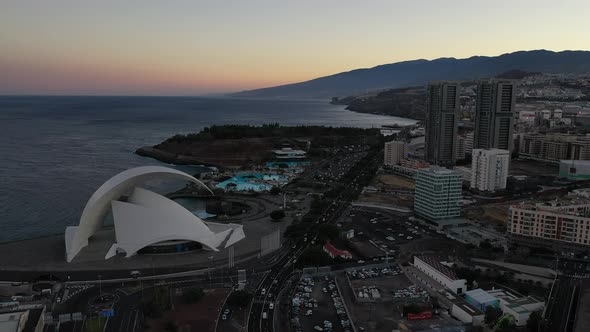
563	205
335	251
480	295
437	170
436	263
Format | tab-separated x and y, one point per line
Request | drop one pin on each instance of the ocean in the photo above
56	151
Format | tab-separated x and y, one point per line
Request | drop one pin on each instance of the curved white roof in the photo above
149	218
76	237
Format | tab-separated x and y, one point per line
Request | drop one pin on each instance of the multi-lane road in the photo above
261	316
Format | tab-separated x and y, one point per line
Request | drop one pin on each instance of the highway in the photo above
278	276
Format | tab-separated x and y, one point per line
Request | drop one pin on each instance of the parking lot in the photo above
385	230
317	306
383	284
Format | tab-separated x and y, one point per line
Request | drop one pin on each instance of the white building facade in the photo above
394	152
562	225
489	169
443	274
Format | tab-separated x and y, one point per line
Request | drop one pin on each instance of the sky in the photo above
175	47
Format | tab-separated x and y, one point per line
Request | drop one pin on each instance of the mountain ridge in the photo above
420	71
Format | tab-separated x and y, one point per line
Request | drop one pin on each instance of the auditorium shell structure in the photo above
146	218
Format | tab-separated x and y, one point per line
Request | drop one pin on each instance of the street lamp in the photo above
100	286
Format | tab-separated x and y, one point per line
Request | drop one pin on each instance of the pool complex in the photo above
253	181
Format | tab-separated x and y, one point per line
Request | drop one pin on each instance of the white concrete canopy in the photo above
148	218
92	219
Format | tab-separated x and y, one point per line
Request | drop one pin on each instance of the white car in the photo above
409	238
271	306
263	291
224	317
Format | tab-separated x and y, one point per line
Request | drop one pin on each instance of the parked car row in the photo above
367	273
303	304
412	291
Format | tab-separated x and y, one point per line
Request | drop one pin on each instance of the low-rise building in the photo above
554	147
414	163
31	319
289	153
481	299
334	252
562	224
575	169
435	268
517	305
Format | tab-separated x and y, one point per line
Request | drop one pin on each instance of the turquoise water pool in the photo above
290	164
253	181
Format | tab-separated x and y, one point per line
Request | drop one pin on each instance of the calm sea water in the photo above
55	151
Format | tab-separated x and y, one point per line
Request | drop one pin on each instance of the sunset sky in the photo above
143	47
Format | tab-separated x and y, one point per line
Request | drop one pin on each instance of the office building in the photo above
442	111
562	224
394	152
438	193
494	115
489	169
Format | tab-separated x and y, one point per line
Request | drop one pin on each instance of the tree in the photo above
239	298
534	321
157	303
328	232
171	326
314	256
492	315
192	295
277	215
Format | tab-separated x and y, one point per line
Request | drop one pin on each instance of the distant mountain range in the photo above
419	72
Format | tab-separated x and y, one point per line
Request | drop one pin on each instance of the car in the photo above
294	246
317	328
373	222
271	306
210	258
390	238
263	291
264	315
401	235
226	311
59	300
409	238
274	282
390	229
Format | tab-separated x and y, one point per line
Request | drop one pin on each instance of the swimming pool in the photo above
253	181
